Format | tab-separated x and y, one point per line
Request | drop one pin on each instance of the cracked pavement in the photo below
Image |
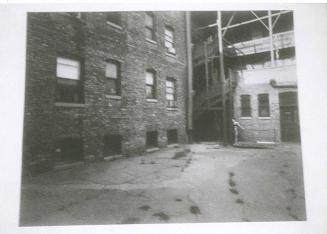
208	184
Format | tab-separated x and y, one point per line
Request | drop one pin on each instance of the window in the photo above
151	139
245	105
112	145
170	92
150	81
169	40
112	85
263	101
172	136
149	26
114	17
69	87
69	149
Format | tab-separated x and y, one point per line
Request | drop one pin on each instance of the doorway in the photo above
289	117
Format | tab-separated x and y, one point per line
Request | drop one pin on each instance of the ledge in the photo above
116	97
151	100
67	104
113	157
171	55
152	149
264	118
173	145
172	108
245	118
151	41
114	25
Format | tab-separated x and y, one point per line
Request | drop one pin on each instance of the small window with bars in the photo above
245	105
112	82
150	82
150	26
169	40
263	101
171	92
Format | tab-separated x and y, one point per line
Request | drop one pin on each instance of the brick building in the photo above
105	83
254	81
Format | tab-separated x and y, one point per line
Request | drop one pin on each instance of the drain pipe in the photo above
189	99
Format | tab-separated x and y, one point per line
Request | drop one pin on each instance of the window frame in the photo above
171	103
116	22
153	86
151	29
171	41
67	84
116	79
246	111
263	97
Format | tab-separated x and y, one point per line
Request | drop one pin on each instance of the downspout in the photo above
189	99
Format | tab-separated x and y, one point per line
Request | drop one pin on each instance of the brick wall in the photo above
92	40
249	83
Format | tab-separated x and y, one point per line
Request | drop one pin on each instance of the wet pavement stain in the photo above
145	207
195	210
162	216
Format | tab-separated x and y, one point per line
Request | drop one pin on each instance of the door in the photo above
289	118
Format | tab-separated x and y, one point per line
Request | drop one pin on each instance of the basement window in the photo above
151	139
171	92
169	40
112	145
150	81
112	83
69	87
172	136
245	105
69	149
263	101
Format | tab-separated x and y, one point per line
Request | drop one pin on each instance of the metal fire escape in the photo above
214	96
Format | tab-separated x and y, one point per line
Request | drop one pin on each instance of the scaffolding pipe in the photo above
222	76
270	27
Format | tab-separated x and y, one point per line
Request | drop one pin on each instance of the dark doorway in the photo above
112	145
151	139
70	149
172	136
289	117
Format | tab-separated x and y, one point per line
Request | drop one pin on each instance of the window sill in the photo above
151	41
116	97
171	55
67	104
151	100
245	117
114	25
149	150
172	108
267	118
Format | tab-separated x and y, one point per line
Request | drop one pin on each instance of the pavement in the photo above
201	183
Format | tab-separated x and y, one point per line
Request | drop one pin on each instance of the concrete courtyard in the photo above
201	183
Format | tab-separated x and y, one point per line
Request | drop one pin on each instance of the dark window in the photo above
150	26
263	101
69	149
245	105
114	17
172	136
112	145
150	81
112	77
169	40
171	92
151	139
69	87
